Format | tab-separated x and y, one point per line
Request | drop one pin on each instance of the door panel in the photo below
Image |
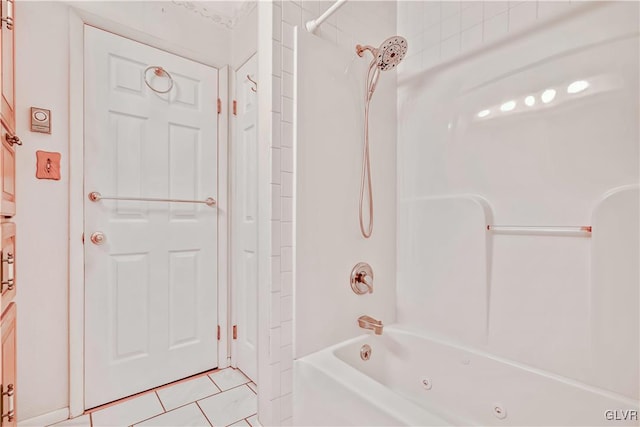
151	286
244	222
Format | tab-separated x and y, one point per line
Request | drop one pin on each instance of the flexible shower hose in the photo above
365	178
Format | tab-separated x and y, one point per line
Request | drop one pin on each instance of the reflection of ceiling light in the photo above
577	86
483	113
548	95
530	101
508	106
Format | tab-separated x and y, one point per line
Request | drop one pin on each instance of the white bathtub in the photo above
336	387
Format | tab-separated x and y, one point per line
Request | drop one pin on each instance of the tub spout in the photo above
368	322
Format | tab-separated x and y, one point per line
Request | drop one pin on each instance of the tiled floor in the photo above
223	397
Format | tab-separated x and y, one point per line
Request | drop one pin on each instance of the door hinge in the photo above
218	332
235	107
235	332
219	106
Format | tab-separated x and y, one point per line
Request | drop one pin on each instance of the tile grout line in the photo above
242	419
166	386
232	388
156	415
171	410
214	383
142	393
247	384
194	401
203	413
237	386
247	419
161	404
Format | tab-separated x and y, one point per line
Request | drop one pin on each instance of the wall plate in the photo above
40	120
48	165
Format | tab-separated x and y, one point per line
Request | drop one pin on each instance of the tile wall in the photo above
441	30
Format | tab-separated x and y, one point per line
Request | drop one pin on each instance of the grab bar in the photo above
94	196
544	229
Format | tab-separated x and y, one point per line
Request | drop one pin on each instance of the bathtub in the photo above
412	379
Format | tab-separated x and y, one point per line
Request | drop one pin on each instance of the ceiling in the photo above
224	13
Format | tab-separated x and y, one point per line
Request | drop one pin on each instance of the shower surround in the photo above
515	114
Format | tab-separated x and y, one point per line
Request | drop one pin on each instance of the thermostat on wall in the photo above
40	120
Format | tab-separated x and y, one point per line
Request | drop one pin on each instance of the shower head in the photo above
389	54
386	57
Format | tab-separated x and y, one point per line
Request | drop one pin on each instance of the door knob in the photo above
98	238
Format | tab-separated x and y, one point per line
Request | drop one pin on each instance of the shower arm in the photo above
360	50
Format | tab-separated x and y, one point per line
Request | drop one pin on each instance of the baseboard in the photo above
46	419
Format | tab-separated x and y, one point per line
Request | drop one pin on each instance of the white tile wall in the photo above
355	22
452	28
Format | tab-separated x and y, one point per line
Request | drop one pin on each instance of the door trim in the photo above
233	132
77	20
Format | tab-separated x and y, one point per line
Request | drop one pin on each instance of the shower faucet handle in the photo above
362	279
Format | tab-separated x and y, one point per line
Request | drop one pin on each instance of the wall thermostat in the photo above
40	120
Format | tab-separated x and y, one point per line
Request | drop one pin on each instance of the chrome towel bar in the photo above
94	196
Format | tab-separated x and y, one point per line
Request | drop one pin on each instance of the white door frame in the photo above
77	20
233	135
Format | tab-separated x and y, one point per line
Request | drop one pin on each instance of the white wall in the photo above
328	155
547	164
244	39
176	29
42	79
42	56
368	22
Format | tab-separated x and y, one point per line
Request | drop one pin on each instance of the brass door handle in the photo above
98	238
10	280
9	18
10	283
10	414
12	140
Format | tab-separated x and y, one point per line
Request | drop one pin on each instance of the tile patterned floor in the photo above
224	397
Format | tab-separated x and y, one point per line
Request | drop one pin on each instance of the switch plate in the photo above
40	120
48	165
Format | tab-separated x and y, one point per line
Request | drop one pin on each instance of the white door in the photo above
244	223
151	286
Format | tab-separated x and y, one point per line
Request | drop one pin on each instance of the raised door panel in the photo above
152	284
8	68
9	386
8	269
8	172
